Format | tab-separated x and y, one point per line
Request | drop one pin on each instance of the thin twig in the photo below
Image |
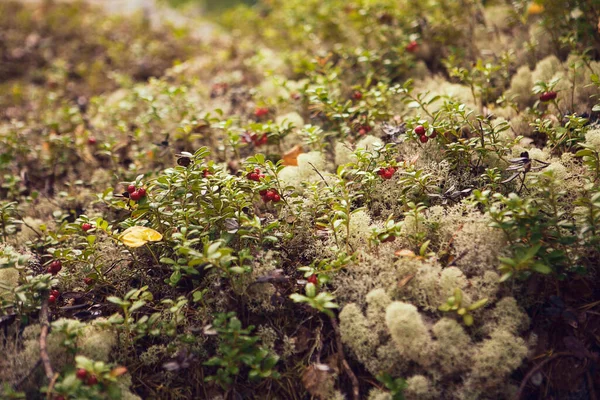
342	360
44	322
536	369
28	374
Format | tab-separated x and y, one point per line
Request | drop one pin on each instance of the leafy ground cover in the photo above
366	199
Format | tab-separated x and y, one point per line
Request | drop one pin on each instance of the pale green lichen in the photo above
409	332
97	341
495	359
419	387
452	343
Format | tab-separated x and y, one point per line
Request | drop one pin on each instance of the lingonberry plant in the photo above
345	192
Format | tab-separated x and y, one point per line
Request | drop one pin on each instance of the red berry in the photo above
270	195
412	46
206	173
91	140
253	176
420	130
135	196
55	267
547	96
380	171
276	198
433	134
313	279
88	281
263	140
54	293
357	95
261	111
86	226
423	139
142	192
367	128
92	380
362	131
81	374
131	188
263	192
51	299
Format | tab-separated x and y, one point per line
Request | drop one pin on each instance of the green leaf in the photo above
468	319
541	268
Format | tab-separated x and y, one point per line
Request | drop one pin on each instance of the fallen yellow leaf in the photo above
137	236
535	9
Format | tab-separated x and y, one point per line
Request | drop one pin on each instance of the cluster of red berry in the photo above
412	46
357	95
386	173
258	140
55	267
136	194
89	379
421	132
261	112
270	195
364	129
548	96
54	294
255	175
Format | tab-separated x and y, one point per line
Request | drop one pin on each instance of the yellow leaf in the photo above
535	9
137	236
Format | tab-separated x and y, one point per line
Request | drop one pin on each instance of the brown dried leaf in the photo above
318	380
404	281
290	157
405	253
118	371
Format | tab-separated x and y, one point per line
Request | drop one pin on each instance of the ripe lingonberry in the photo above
269	195
81	374
547	96
386	173
412	46
91	140
51	299
420	130
362	132
131	188
88	281
135	196
255	175
357	95
91	380
55	267
261	112
206	173
313	279
86	226
276	198
54	293
433	134
423	139
142	192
